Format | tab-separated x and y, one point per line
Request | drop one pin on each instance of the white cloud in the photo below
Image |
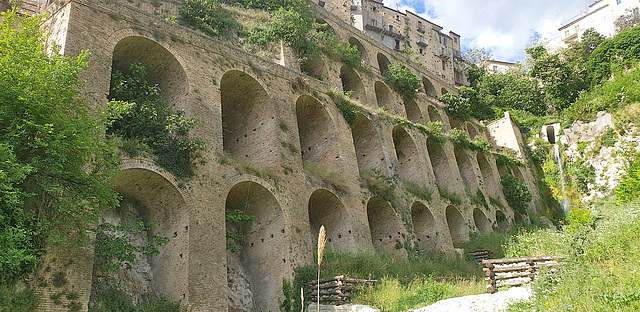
503	26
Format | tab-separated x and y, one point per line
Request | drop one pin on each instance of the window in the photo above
374	22
495	68
421	51
397	44
391	28
455	40
374	9
443	65
419	25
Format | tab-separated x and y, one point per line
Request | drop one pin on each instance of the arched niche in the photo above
316	68
368	146
502	170
429	89
364	55
249	119
491	185
424	227
383	63
434	115
455	123
503	222
149	197
457	226
467	173
410	166
386	227
413	111
517	172
472	130
384	97
265	255
551	134
518	219
440	164
352	82
481	221
163	68
326	209
318	141
443	91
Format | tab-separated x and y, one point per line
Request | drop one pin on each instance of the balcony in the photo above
392	34
422	43
373	27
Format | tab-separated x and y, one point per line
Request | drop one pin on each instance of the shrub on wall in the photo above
516	193
403	80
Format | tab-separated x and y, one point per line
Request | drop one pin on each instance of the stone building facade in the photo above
276	141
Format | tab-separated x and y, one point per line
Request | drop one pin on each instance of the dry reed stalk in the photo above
322	241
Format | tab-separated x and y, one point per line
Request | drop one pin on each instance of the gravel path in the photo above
480	303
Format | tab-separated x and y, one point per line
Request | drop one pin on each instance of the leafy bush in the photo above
209	16
137	111
516	193
613	55
403	80
347	107
629	187
108	298
115	250
236	215
331	45
456	106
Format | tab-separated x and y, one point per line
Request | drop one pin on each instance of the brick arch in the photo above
325	208
440	164
165	66
491	182
472	130
383	63
424	227
316	68
352	82
385	226
265	254
368	146
317	133
434	115
481	221
364	55
150	195
465	166
249	117
413	111
429	89
502	221
457	226
410	165
385	97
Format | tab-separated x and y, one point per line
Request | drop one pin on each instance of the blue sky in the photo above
506	27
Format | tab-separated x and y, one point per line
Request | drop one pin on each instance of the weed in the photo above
378	184
451	197
418	191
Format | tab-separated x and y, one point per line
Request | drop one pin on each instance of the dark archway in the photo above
162	67
352	82
249	119
472	131
481	221
385	226
551	135
364	56
265	255
383	63
457	226
443	91
503	223
488	177
368	146
440	164
410	166
384	97
318	141
424	227
467	173
326	209
429	89
434	115
413	111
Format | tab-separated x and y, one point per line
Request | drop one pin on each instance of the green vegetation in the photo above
418	191
403	80
114	249
600	271
53	171
108	298
137	112
236	216
347	106
378	184
516	193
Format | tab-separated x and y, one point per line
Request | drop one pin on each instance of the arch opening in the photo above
384	97
429	89
434	115
443	91
457	226
410	166
316	68
149	198
413	111
440	164
249	119
326	209
551	134
503	223
467	173
383	63
352	82
490	183
424	226
264	257
472	131
385	226
318	141
481	221
368	146
364	55
163	68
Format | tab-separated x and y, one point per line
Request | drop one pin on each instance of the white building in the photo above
601	16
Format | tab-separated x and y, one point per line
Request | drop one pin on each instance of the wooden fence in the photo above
480	255
514	271
336	290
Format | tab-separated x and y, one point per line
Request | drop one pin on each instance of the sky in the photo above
506	27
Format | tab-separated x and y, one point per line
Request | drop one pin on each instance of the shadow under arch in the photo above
249	119
317	134
481	221
265	254
368	146
326	209
457	226
424	227
385	226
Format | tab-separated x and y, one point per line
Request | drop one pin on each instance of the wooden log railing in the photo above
480	255
336	290
514	271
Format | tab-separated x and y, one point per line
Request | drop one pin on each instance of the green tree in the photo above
561	82
511	91
403	80
456	106
53	165
622	51
579	51
516	193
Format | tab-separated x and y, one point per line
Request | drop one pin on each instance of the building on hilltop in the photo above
421	41
498	67
601	16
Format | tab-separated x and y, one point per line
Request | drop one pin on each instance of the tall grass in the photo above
602	268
